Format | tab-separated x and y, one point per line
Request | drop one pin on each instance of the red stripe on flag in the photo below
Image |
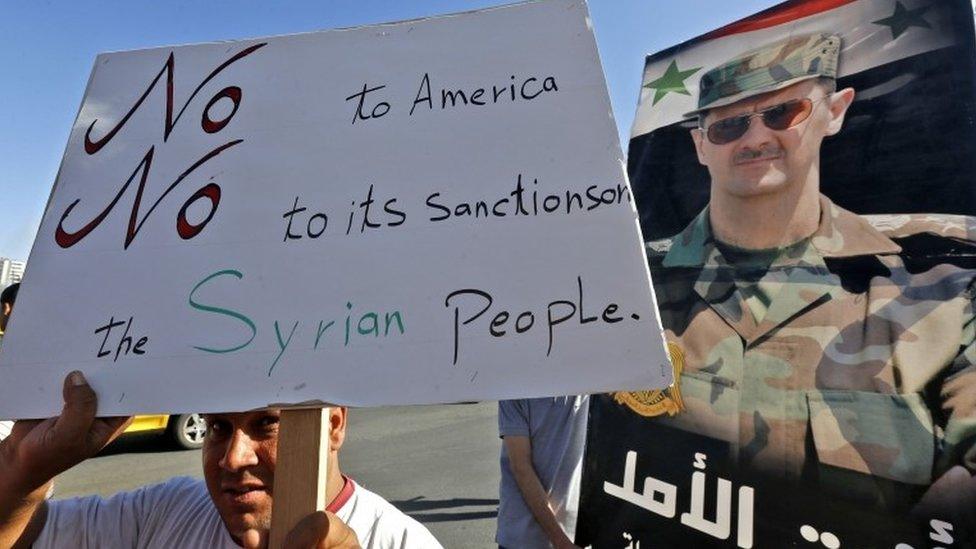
777	15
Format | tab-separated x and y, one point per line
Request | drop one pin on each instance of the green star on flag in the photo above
903	18
672	81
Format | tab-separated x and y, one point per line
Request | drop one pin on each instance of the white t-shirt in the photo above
180	513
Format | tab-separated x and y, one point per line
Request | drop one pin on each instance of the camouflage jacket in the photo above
864	360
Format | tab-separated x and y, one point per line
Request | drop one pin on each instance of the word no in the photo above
211	191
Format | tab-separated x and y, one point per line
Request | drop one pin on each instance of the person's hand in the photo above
319	530
37	451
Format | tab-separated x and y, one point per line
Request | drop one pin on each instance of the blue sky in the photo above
49	48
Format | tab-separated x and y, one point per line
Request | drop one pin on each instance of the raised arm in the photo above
37	451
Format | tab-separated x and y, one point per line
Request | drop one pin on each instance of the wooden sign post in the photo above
300	472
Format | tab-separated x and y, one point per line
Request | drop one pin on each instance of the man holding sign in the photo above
340	178
231	508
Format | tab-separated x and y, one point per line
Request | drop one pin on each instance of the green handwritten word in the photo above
357	325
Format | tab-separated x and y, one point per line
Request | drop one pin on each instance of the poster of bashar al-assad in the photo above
806	184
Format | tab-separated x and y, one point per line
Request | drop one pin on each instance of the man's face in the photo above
239	455
763	160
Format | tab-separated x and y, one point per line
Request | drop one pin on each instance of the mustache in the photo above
765	153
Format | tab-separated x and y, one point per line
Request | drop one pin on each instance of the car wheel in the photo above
187	430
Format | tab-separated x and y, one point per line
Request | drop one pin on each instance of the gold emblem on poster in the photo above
658	401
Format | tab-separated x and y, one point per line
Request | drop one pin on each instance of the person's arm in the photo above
519	450
37	451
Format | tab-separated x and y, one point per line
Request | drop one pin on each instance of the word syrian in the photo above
369	324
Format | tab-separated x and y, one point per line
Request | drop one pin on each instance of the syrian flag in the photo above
909	140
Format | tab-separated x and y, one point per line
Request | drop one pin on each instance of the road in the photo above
438	464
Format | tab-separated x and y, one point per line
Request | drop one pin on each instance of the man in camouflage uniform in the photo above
813	348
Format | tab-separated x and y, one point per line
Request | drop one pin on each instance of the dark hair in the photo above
9	294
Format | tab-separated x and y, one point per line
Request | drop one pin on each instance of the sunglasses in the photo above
778	117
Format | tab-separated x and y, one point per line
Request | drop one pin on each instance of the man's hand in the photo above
37	451
320	530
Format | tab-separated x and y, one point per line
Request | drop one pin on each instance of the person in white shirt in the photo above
230	508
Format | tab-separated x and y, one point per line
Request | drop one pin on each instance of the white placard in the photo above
420	212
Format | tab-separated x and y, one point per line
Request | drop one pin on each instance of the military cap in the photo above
769	68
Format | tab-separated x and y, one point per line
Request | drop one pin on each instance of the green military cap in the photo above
769	68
